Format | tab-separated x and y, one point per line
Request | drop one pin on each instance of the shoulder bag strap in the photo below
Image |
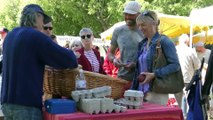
158	50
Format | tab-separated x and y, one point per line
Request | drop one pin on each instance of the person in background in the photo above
148	24
202	51
76	45
47	29
126	38
90	58
3	33
110	68
26	52
67	45
189	63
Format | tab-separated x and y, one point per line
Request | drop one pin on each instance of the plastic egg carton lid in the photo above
133	93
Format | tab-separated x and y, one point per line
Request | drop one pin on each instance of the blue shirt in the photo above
26	52
143	68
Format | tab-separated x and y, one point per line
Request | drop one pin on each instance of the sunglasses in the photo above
146	13
46	28
84	36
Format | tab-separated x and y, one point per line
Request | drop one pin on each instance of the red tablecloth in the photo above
147	112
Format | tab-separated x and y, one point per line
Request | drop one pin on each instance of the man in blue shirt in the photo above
26	52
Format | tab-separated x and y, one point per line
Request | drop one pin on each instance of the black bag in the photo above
172	83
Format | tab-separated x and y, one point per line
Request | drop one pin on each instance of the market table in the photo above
147	112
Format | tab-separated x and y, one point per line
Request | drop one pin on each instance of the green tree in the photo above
8	13
69	16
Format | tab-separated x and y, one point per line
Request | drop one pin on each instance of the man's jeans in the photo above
18	112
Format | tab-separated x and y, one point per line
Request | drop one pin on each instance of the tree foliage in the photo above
69	16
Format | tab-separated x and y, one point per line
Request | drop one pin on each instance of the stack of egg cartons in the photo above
81	94
97	105
92	93
95	102
101	92
133	99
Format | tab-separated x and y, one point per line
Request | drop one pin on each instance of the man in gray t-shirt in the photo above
126	38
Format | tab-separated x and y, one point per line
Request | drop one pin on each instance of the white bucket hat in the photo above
132	7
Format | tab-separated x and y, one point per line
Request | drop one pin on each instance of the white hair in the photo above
199	43
183	39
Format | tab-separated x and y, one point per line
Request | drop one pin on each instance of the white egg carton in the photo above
133	99
81	94
121	102
100	105
118	108
91	106
102	91
133	107
99	92
133	103
107	105
133	93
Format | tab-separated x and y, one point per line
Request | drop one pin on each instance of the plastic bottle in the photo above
80	82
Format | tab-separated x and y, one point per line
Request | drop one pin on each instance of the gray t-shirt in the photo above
127	41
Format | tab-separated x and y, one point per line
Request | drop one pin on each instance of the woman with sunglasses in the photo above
90	58
145	73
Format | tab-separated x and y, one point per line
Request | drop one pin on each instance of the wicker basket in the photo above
62	82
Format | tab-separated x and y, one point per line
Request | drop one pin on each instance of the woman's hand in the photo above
148	77
141	78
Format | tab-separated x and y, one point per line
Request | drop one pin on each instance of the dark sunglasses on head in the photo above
84	36
50	28
146	13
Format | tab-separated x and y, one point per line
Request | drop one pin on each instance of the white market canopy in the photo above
202	16
170	25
